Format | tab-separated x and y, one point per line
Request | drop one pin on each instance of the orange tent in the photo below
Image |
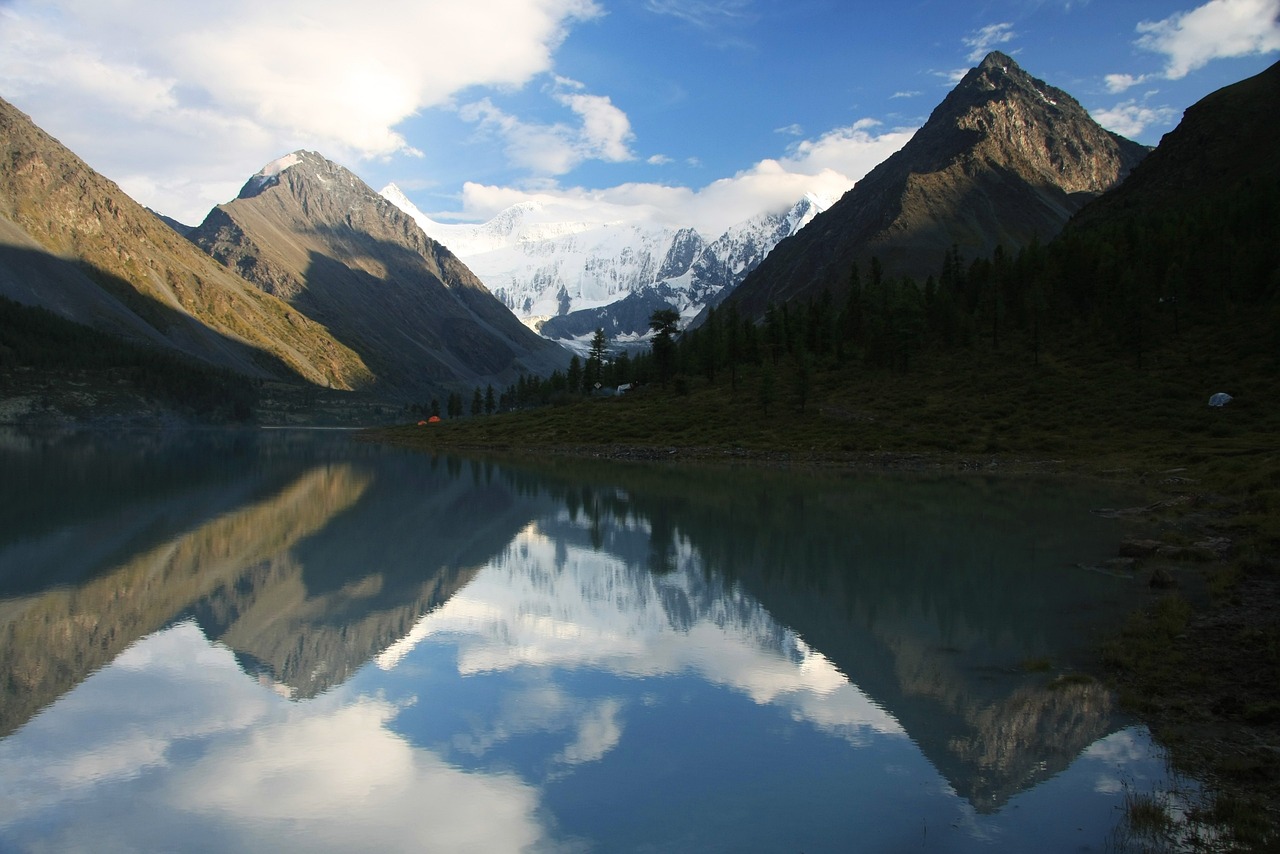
433	419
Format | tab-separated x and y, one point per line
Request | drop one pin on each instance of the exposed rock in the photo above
1004	160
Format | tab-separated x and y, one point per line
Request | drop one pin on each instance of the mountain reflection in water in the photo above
450	654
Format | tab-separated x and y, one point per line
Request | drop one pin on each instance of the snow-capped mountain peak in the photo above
567	277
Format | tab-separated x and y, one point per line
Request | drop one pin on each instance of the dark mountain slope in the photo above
312	233
1225	142
1004	159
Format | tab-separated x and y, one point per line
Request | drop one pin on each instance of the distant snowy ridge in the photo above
566	278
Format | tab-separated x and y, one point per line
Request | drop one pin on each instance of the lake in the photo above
293	641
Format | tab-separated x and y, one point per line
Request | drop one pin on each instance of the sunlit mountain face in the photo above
327	646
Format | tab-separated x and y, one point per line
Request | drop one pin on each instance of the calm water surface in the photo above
295	642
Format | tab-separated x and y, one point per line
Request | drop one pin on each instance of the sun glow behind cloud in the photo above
201	91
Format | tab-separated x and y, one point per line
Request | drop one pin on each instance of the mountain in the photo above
1224	145
313	234
1003	160
568	278
715	270
72	242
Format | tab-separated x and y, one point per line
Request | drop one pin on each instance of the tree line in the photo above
1125	282
1122	281
35	338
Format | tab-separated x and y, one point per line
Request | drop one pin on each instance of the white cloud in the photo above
984	40
198	92
1131	118
152	747
827	167
520	611
602	132
599	731
1123	82
606	131
1216	30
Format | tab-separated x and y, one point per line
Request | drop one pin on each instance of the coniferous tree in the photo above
573	379
802	378
593	371
663	322
733	343
708	340
750	342
766	386
775	333
852	317
622	369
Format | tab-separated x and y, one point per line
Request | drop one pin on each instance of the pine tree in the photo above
573	379
593	373
765	390
663	322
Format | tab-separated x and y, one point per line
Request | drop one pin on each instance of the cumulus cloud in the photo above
198	88
1131	118
601	131
826	167
506	619
984	40
1123	82
1216	30
152	747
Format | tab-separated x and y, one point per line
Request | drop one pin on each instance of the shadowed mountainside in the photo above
1225	142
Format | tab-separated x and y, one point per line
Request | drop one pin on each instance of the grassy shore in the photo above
1205	677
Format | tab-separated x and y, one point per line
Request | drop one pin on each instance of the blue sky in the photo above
701	112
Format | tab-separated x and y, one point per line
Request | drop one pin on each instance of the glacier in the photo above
565	278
